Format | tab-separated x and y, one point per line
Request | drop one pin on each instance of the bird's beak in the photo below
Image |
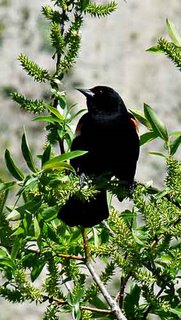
87	92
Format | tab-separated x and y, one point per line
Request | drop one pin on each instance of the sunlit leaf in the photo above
64	157
157	154
173	33
37	230
6	185
147	137
47	119
46	155
58	166
155	49
174	145
55	112
157	125
27	153
175	133
140	117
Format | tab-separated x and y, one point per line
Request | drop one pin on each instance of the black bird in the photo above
109	133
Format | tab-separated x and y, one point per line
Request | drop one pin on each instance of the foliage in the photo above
140	246
171	48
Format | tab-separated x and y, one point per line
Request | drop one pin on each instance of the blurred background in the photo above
112	53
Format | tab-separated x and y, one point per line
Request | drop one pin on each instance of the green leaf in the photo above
6	185
98	303
37	269
27	153
60	166
5	258
16	246
175	133
176	311
147	137
77	114
30	206
18	231
84	4
174	35
64	157
6	262
174	145
140	117
157	125
49	213
46	155
47	119
157	154
55	112
37	230
131	301
13	169
155	49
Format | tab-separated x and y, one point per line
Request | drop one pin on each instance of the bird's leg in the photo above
83	180
86	244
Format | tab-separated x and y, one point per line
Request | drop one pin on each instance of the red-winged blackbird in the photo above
109	133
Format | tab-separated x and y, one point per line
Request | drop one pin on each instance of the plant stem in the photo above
111	302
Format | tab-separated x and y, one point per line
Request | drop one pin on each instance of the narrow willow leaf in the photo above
157	154
155	49
77	114
65	156
173	33
36	270
36	228
4	186
176	311
55	112
157	125
147	137
7	262
13	169
140	117
30	206
175	133
47	119
60	166
174	145
27	154
46	155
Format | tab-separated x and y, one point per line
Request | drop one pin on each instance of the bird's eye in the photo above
100	91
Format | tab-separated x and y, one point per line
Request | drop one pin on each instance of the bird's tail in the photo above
87	214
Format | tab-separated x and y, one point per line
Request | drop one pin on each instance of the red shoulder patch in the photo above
135	122
78	129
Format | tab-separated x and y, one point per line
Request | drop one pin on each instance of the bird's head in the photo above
103	99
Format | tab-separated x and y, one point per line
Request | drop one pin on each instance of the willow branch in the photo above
111	302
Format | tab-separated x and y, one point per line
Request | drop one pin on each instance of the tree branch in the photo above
111	302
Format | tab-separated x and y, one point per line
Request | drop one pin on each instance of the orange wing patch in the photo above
135	122
78	129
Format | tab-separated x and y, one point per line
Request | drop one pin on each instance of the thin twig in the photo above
69	256
105	311
63	302
111	302
121	291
